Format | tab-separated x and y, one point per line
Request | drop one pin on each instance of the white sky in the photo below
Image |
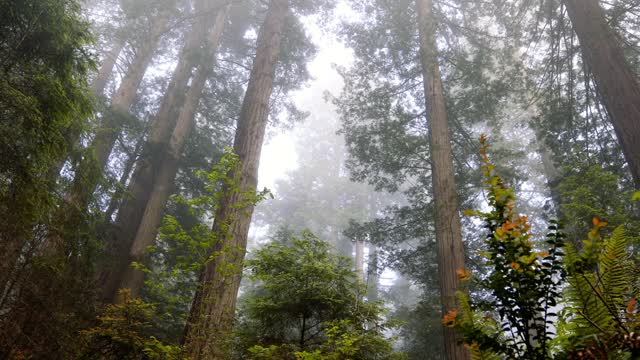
279	153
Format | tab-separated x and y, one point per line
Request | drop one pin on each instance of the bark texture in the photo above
21	283
97	87
71	213
213	308
118	194
372	274
89	171
360	259
148	164
164	182
448	226
553	176
106	68
617	83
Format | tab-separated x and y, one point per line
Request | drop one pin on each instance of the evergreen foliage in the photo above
45	295
382	110
595	316
186	245
120	333
595	192
522	71
308	304
44	65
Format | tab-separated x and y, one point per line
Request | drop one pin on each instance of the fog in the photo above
319	179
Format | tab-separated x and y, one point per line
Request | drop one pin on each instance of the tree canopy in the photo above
303	179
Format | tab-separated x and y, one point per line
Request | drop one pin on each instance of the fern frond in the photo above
616	270
601	285
593	315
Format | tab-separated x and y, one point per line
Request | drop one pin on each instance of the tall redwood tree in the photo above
213	309
448	226
617	83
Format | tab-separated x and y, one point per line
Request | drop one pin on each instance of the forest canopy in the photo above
319	179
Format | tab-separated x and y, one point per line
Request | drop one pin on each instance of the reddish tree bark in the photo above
213	308
73	210
89	171
359	259
164	182
106	68
148	164
447	222
617	83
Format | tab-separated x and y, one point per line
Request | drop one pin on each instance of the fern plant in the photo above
601	298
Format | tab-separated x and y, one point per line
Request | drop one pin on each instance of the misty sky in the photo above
279	153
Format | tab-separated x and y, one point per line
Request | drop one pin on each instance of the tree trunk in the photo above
114	202
164	182
360	259
139	190
448	226
97	87
617	83
553	176
19	284
87	177
213	308
12	248
106	69
89	171
372	274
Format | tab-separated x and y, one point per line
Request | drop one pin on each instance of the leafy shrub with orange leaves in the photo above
594	291
524	282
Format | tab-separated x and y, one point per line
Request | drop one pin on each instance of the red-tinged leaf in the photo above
631	306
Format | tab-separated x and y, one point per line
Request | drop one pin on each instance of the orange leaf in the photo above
472	346
631	307
508	226
599	223
449	320
464	274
